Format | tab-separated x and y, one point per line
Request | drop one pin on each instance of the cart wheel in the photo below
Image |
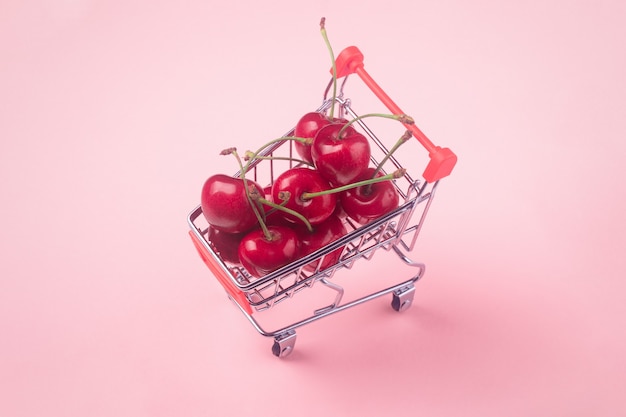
403	298
284	344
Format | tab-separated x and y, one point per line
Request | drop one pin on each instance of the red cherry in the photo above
307	127
226	244
321	235
225	204
261	256
297	181
340	159
369	202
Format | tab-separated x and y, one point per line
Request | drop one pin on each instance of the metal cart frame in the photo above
396	231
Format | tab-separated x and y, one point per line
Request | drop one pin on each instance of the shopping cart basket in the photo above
395	232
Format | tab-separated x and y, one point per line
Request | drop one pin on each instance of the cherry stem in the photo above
403	118
273	209
403	139
280	207
332	57
249	193
249	155
394	175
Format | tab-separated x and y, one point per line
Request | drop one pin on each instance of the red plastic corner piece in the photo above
441	163
348	61
238	296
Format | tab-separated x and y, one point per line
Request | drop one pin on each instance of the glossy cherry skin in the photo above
225	204
364	207
307	127
340	160
323	234
261	256
297	181
226	244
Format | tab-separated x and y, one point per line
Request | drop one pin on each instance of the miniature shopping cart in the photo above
395	233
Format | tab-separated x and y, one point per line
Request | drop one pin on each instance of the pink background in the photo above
111	117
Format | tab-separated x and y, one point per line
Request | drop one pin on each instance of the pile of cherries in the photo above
263	228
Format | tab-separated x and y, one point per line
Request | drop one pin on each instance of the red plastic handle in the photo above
220	274
442	160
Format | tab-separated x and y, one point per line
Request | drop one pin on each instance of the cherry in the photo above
267	248
307	128
340	159
264	251
368	202
369	197
321	235
226	244
225	204
289	188
340	154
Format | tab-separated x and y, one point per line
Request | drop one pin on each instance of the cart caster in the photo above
403	298
284	344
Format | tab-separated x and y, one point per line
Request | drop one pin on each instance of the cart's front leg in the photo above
284	343
403	298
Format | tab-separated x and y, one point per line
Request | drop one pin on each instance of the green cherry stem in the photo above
249	193
273	209
332	57
403	139
394	175
251	156
403	118
285	197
